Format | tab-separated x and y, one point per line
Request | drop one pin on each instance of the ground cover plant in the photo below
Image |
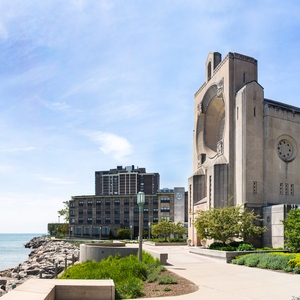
127	273
287	262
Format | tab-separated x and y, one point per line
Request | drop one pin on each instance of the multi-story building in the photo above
103	214
125	181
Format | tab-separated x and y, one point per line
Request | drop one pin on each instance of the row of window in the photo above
108	220
117	211
116	202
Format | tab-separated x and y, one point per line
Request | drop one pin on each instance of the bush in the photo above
127	273
166	279
252	260
273	261
245	247
292	230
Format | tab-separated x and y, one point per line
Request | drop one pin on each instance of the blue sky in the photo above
90	85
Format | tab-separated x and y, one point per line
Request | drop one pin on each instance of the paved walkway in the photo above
218	280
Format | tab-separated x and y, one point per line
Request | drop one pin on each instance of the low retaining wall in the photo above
161	256
63	289
226	256
98	252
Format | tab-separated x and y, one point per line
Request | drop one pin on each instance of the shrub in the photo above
295	261
127	273
216	246
245	247
252	260
297	270
167	289
166	279
292	230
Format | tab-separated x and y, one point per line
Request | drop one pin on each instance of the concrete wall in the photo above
98	252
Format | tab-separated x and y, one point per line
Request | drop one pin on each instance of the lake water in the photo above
12	250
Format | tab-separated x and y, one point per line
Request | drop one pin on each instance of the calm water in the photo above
12	250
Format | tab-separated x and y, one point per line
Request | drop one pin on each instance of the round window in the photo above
285	149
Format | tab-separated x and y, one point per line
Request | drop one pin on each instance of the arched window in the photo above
209	71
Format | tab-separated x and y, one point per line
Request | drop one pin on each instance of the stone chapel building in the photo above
245	147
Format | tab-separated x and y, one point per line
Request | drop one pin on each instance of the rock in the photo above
42	259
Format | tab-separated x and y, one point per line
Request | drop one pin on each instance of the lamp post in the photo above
149	226
140	202
100	229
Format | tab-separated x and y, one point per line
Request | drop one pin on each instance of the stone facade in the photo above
245	146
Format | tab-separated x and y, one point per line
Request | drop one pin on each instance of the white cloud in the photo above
23	149
112	145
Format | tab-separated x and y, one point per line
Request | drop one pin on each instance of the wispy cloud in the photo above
112	145
21	149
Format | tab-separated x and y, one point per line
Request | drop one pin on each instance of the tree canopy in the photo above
229	222
292	230
64	212
166	228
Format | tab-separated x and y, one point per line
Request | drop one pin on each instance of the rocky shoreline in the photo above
48	258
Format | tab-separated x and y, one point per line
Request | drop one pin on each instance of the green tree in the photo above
163	229
179	229
229	222
124	233
292	230
65	212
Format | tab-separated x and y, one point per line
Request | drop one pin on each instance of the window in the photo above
80	220
254	187
155	210
244	77
107	211
146	210
126	201
292	190
90	202
72	220
72	212
117	211
98	211
90	220
165	209
136	210
165	218
286	188
146	201
135	219
155	220
117	202
155	201
126	210
135	201
89	211
107	220
107	202
98	220
117	220
80	203
165	200
126	220
98	202
281	189
81	211
72	203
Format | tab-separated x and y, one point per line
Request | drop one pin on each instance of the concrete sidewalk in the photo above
218	280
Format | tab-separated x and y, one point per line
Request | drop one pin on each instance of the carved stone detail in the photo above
220	87
220	147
